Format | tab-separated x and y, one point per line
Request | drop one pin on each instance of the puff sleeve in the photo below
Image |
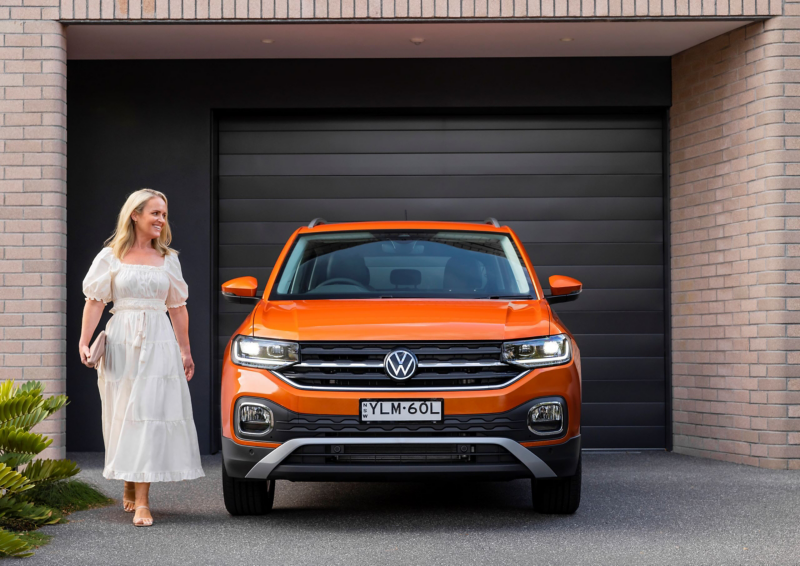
178	289
97	283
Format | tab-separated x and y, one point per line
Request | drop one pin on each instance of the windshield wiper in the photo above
509	297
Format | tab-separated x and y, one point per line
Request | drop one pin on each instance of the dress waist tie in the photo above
141	307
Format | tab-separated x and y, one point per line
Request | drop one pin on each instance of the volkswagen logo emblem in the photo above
400	364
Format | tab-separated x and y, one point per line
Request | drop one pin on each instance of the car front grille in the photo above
442	366
401	454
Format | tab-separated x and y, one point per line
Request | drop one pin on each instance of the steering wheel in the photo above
345	280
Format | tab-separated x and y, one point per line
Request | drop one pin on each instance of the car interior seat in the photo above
464	275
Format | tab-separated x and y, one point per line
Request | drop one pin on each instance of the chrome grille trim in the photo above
400	389
379	365
441	366
478	364
340	364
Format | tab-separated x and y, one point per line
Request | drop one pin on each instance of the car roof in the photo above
405	225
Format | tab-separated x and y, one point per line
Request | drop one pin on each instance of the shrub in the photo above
22	408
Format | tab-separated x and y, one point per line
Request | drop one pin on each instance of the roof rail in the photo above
492	221
317	222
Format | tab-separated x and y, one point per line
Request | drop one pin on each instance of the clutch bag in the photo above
97	350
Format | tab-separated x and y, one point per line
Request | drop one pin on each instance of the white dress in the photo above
148	427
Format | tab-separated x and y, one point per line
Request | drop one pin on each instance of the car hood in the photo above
401	319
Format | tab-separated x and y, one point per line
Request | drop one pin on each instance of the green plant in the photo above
22	408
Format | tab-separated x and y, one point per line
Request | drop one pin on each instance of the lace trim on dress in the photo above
177	306
96	299
143	266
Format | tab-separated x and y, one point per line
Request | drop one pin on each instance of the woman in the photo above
148	428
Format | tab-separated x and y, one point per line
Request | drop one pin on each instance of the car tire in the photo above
247	497
557	496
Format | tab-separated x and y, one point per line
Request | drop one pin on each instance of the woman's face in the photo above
152	219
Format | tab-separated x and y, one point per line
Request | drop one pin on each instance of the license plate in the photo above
399	410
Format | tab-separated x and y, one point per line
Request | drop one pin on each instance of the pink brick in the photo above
733	275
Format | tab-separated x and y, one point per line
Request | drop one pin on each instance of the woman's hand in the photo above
180	325
188	365
84	351
92	311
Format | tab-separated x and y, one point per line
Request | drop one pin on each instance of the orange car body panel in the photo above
241	286
402	319
563	285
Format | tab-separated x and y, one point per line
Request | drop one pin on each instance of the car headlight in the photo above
261	353
538	352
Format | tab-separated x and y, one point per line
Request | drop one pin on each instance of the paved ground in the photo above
642	508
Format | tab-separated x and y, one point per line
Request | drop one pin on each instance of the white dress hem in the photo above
153	477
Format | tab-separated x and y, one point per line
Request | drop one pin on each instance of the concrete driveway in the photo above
637	508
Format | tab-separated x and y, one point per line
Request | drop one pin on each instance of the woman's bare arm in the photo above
180	324
92	311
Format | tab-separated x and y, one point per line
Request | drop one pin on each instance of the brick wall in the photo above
98	10
735	203
33	200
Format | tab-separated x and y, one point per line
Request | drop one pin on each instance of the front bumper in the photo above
262	463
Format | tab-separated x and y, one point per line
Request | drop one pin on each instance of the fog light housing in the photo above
546	418
254	419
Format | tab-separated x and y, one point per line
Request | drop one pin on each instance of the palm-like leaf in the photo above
26	510
18	406
12	545
12	481
32	388
22	441
42	471
54	403
14	460
29	420
7	390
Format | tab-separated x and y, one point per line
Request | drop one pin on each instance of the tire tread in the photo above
247	497
558	496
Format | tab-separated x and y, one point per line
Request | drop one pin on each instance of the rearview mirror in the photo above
563	289
240	290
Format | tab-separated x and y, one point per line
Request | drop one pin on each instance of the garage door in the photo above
584	193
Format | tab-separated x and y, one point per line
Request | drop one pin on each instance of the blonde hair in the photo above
124	236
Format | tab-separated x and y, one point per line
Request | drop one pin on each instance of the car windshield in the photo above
403	264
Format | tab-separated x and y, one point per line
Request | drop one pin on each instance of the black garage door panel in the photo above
433	141
584	193
432	186
423	123
600	163
587	208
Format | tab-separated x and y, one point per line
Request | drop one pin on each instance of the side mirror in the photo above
240	290
563	289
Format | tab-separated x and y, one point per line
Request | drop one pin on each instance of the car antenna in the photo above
317	222
493	221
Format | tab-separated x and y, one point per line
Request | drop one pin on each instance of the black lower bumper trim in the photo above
562	458
238	459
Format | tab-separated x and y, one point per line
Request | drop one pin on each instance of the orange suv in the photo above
401	351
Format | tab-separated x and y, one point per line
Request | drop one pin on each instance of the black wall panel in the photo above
136	124
584	193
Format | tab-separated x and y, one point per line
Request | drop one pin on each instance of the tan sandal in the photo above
142	521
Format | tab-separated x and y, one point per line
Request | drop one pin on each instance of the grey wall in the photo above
135	124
